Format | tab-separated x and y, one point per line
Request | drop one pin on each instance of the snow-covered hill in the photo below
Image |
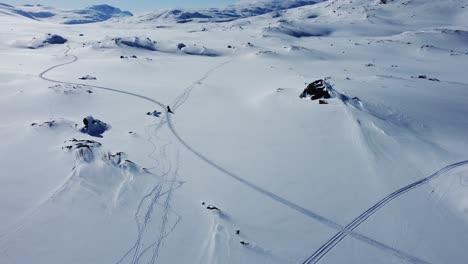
92	14
291	132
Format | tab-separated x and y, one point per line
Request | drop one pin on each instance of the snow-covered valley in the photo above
179	136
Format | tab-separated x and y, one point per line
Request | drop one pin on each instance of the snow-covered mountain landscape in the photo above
260	132
92	14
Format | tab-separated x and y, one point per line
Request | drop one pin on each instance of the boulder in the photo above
55	39
94	127
316	90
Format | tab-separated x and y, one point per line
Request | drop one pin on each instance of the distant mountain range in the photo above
99	13
243	9
92	14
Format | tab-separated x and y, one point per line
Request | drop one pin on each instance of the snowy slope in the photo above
243	170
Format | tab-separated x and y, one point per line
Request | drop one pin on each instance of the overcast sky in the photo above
131	5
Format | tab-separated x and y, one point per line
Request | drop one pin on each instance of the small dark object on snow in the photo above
181	46
425	78
88	77
245	243
237	232
229	47
154	113
203	203
134	56
323	102
370	65
316	90
81	35
211	207
169	110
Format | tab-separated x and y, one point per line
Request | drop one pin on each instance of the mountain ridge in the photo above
91	14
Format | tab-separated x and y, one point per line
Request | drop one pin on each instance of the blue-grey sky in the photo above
131	5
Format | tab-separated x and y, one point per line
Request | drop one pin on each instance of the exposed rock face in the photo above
155	113
316	90
88	77
69	89
83	148
425	78
94	127
136	42
55	39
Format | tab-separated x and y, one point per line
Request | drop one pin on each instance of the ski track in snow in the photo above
335	240
181	99
163	233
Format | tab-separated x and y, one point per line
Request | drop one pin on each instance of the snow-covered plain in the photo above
244	171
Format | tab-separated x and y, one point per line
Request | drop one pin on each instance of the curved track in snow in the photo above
323	220
75	59
335	240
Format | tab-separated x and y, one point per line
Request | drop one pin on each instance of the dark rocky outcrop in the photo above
83	148
88	77
155	113
211	207
425	78
316	90
55	39
69	89
94	127
181	46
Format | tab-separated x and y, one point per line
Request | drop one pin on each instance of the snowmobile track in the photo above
386	248
336	239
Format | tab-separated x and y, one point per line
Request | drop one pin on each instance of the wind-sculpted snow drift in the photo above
41	42
160	46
